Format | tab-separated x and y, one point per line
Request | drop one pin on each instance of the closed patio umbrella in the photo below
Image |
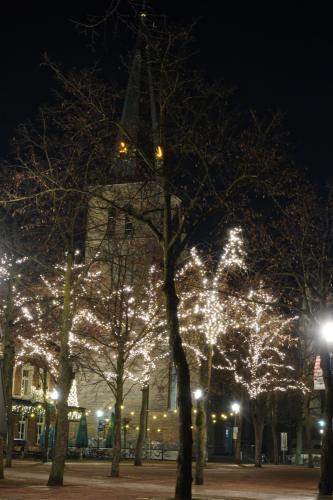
81	440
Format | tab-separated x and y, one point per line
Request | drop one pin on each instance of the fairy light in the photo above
129	321
258	361
72	397
204	310
250	336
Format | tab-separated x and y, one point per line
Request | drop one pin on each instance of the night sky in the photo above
278	58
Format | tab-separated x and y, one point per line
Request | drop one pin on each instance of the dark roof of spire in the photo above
125	167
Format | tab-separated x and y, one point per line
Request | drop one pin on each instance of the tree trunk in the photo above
64	383
201	418
307	427
239	438
273	402
45	452
116	450
142	426
326	466
47	418
184	461
8	369
2	476
258	425
201	441
299	442
258	432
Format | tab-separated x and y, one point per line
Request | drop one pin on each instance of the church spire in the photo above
130	119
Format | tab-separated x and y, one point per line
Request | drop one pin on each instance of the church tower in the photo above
125	246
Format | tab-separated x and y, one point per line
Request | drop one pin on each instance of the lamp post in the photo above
236	434
326	465
201	433
321	424
99	414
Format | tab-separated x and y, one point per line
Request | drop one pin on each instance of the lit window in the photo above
22	427
40	427
26	381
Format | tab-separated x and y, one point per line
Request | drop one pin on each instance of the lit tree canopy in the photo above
204	299
124	323
256	348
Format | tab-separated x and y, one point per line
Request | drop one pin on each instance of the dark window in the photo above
112	222
129	228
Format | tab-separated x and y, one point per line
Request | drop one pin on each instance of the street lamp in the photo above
99	415
54	395
235	407
198	393
201	434
326	331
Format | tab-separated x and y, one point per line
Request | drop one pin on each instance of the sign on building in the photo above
318	381
284	441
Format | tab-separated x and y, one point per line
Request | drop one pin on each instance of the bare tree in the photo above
256	355
59	147
124	327
296	252
205	312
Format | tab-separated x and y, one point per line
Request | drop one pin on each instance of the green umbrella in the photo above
81	440
109	436
51	437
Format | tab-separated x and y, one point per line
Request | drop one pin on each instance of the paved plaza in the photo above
85	480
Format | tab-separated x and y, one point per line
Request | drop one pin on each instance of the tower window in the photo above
129	227
111	223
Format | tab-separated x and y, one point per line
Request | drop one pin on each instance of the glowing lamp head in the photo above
321	423
159	153
326	331
123	147
54	394
99	413
235	407
198	393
